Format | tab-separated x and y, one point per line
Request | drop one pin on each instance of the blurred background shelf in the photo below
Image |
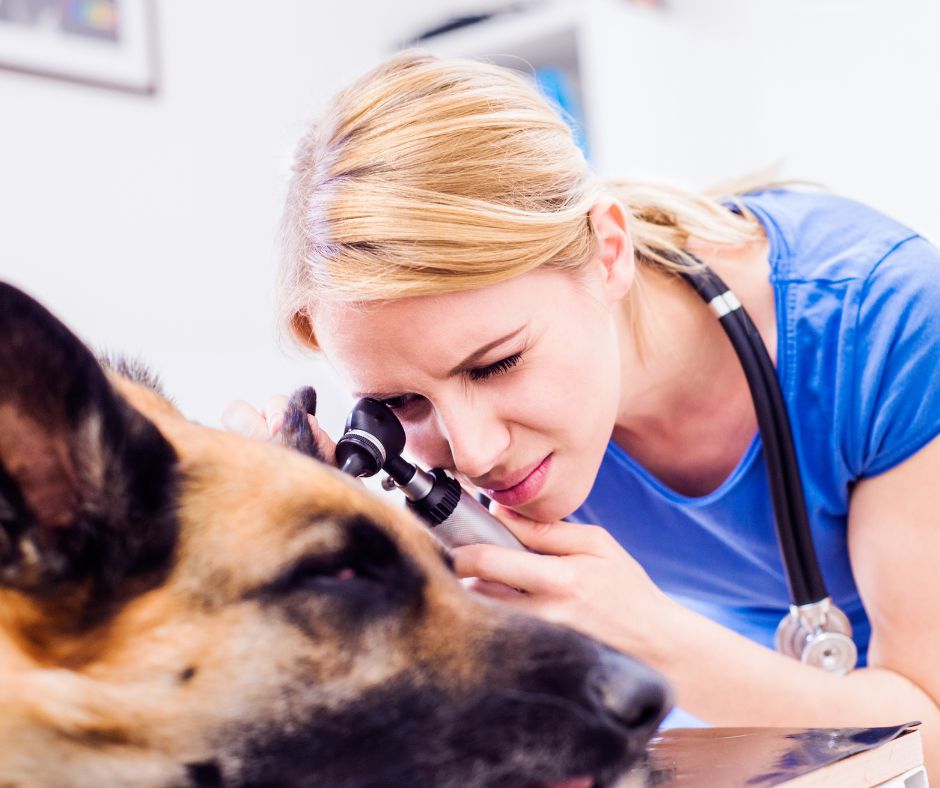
619	59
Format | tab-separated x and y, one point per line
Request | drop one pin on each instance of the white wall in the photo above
149	224
853	99
842	92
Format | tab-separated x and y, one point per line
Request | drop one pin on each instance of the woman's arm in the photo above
894	546
589	582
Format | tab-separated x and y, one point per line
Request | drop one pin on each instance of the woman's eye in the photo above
407	403
498	368
399	403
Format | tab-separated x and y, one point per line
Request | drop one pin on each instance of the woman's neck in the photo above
686	413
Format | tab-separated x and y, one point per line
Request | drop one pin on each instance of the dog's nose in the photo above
633	695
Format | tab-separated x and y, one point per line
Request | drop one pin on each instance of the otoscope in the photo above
374	440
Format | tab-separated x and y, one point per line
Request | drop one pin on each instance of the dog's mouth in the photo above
623	779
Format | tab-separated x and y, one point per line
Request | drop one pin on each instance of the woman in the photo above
449	252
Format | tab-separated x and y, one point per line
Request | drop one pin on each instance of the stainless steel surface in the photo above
762	757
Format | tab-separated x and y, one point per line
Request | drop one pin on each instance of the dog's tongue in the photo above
577	782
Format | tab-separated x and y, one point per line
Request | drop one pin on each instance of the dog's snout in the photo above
633	695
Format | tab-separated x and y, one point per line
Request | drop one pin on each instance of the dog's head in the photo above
183	606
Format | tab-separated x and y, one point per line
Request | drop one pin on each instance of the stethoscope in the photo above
815	631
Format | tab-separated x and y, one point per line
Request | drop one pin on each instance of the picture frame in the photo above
104	43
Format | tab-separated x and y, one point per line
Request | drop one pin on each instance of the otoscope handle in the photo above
471	523
455	516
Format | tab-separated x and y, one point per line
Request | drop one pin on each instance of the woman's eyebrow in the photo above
468	363
474	358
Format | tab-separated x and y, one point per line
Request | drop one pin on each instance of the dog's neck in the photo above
73	752
72	728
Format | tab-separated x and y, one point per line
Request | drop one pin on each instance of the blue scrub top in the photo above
858	358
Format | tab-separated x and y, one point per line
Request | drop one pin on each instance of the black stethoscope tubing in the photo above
798	552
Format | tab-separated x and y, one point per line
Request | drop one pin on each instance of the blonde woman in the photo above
448	250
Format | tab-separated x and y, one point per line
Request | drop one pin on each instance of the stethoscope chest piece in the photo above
818	634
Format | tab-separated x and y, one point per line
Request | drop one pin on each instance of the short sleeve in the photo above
896	366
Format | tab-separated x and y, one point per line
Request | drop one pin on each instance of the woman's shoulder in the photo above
819	236
859	328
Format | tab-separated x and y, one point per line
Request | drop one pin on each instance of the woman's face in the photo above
514	387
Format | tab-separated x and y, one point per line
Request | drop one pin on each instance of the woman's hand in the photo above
267	424
580	577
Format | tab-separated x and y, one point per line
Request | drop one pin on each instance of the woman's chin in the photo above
548	508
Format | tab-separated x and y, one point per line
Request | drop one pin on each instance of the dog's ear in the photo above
86	481
296	433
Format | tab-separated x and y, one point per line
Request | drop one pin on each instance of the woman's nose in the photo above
477	438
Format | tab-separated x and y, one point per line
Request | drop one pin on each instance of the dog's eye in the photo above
316	574
318	580
368	574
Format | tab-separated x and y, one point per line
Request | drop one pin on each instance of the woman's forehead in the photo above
435	331
468	313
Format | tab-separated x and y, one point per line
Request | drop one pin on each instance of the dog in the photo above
180	606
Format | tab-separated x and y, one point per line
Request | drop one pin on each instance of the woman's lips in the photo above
525	490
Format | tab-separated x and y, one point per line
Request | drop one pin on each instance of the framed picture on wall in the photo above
108	43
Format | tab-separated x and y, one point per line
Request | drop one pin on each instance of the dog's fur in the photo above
182	606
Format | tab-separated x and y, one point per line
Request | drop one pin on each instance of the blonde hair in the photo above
431	175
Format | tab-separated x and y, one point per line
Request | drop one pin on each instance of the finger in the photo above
533	574
527	603
324	442
492	590
273	413
558	538
242	418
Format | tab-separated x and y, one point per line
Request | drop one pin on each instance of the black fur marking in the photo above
133	549
205	775
529	719
368	577
13	513
296	433
122	527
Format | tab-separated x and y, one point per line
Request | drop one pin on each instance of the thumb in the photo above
242	418
324	442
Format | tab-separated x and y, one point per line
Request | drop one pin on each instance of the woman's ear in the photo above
614	256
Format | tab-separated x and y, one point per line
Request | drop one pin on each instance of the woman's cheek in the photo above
426	445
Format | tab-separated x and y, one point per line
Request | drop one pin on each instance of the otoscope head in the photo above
357	460
373	435
374	440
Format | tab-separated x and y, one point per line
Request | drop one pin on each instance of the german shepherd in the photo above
181	606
